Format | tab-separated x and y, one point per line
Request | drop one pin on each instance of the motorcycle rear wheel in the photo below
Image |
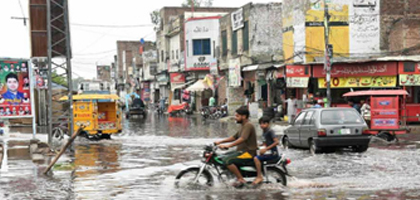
275	175
186	177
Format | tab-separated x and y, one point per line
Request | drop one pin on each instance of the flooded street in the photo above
142	162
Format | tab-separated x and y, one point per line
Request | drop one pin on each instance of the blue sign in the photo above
142	41
384	103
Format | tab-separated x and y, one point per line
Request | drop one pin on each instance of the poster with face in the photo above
15	91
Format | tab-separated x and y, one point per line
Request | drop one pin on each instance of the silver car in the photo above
321	129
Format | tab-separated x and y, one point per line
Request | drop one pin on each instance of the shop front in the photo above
346	77
409	79
297	81
178	82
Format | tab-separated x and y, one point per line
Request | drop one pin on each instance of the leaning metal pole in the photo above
69	70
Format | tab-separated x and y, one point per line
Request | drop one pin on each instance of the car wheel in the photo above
313	148
361	148
286	143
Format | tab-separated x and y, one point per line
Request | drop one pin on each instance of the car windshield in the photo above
330	117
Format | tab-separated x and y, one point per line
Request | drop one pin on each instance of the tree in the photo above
155	17
58	79
197	3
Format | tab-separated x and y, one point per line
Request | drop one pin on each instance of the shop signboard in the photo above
15	89
297	71
177	78
297	82
410	79
359	82
213	67
146	91
358	70
235	73
237	18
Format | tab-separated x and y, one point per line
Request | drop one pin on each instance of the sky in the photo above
91	45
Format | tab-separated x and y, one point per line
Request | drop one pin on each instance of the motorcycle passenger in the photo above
270	141
245	141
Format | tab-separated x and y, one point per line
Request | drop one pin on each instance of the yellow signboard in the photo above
359	82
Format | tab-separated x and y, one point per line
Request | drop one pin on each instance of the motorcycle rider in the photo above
269	152
245	141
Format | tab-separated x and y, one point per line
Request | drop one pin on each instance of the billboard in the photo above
15	90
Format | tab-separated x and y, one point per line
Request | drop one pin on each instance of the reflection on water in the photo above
141	163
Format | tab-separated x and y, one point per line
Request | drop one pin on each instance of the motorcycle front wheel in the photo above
185	179
275	175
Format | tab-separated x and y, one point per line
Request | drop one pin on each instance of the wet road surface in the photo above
141	163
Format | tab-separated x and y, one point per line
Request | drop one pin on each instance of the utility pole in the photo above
328	53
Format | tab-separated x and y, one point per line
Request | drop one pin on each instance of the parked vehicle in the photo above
137	108
388	113
213	112
326	129
274	171
176	110
98	113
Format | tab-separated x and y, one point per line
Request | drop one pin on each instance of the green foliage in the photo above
58	79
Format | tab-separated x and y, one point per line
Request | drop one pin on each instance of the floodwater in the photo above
142	162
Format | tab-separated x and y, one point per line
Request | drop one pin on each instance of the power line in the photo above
21	9
97	53
113	26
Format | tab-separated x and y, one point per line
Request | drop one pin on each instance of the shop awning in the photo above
250	68
376	93
198	86
181	85
257	67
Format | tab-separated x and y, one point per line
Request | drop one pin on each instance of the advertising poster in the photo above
15	91
235	73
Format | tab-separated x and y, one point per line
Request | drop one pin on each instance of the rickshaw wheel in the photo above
386	136
106	136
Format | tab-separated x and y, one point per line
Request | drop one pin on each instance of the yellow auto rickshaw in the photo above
98	113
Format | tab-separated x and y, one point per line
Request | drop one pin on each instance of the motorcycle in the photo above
214	112
274	171
175	110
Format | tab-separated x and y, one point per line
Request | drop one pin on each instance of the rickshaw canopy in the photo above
377	93
92	97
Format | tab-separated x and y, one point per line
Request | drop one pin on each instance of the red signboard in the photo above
408	68
177	78
384	113
358	69
298	71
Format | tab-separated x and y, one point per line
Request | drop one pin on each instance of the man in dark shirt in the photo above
270	141
245	141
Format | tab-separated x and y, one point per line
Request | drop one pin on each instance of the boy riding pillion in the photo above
270	141
245	141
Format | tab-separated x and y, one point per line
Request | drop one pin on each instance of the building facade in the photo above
251	47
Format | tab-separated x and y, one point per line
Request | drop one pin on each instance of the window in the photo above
245	36
234	43
308	118
409	67
163	56
334	117
177	54
201	47
224	43
300	119
173	55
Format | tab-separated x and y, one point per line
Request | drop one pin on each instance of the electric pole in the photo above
328	53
